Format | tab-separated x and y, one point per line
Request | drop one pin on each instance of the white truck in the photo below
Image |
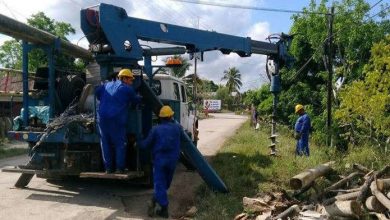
172	90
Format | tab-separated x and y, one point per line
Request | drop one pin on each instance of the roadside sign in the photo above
212	104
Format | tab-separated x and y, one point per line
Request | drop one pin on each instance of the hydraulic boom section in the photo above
113	33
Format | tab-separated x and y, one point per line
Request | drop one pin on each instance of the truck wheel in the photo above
23	180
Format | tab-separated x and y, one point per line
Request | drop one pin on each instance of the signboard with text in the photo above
212	104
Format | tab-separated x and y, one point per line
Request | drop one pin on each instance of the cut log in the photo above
344	209
291	211
343	197
383	184
255	205
379	216
341	183
364	192
388	195
303	190
307	177
361	168
379	195
373	204
347	190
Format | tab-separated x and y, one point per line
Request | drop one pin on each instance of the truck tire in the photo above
2	127
23	180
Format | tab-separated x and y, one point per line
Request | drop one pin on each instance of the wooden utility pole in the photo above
330	77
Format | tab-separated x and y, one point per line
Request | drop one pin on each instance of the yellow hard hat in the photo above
126	73
166	111
298	107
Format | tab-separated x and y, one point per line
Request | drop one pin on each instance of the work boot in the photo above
162	211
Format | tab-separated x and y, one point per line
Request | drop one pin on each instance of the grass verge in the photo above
9	152
243	163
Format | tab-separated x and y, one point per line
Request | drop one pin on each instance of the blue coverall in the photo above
115	98
302	126
164	141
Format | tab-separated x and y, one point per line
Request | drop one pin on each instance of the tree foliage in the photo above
233	79
226	98
11	55
355	59
354	35
365	103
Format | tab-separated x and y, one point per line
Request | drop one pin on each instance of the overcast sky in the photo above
246	23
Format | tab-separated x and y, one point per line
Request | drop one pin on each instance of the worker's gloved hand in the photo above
297	135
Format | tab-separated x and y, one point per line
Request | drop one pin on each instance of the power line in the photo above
10	11
333	35
383	10
375	4
200	2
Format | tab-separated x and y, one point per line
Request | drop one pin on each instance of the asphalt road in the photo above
96	199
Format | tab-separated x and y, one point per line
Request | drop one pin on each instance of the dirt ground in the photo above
96	199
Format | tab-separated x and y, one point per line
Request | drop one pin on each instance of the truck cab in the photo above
172	91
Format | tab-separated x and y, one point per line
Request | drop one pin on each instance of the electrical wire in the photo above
200	2
9	9
333	35
375	4
383	10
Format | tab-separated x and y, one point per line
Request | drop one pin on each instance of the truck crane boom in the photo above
111	31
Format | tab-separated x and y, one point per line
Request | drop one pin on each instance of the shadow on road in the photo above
110	194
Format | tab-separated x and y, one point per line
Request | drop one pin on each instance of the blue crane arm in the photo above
110	30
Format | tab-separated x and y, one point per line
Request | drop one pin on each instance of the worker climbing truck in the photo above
68	145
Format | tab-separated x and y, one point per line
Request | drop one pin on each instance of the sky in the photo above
240	22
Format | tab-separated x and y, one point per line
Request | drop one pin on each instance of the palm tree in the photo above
233	79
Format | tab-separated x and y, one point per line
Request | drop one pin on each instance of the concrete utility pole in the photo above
195	75
330	77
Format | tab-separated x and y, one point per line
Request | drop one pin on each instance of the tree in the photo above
355	34
233	79
189	80
225	96
365	103
11	54
37	57
181	70
257	96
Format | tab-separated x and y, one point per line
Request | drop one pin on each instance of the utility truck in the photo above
69	144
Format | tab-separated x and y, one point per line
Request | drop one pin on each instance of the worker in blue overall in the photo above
164	142
115	98
302	128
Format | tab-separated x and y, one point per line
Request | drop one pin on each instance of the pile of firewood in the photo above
362	194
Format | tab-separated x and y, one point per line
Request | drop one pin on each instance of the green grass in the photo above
9	152
244	165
